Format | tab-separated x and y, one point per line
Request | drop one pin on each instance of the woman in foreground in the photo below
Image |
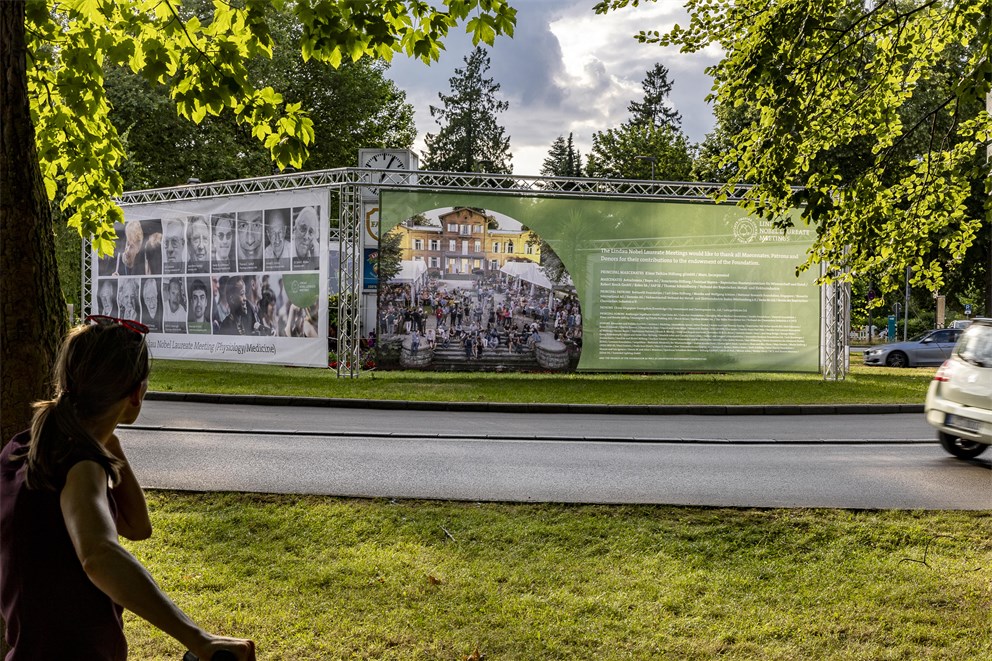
66	494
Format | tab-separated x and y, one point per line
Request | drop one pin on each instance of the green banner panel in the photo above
302	289
666	286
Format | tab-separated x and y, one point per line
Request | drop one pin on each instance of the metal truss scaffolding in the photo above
836	317
347	184
350	279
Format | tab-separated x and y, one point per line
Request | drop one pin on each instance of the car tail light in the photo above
944	372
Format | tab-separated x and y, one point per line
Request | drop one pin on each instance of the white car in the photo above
959	401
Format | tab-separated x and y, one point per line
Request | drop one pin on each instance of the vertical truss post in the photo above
350	279
836	320
86	293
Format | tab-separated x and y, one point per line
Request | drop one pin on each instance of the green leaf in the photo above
199	112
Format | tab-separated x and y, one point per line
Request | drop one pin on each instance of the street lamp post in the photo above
650	159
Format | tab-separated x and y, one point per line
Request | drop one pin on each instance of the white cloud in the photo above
565	70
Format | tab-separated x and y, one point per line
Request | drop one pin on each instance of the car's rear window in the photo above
975	346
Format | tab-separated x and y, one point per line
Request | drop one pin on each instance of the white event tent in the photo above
528	272
412	272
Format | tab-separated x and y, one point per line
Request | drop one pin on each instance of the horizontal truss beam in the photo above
455	181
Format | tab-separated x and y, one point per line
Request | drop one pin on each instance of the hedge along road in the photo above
849	461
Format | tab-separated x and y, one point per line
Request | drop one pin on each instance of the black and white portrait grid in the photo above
239	278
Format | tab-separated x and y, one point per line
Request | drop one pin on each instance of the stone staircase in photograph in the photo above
500	359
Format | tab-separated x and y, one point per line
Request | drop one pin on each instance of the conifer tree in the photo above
563	159
649	144
655	110
471	138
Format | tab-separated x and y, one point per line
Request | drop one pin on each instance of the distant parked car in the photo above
931	348
959	401
960	323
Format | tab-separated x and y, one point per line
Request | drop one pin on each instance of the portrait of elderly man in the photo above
249	240
276	255
306	240
151	304
107	298
174	245
197	245
142	253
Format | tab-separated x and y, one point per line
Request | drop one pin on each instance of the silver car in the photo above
959	402
929	349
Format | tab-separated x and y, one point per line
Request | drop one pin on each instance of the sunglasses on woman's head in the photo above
130	324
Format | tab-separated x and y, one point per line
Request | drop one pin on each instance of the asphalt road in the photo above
848	461
291	420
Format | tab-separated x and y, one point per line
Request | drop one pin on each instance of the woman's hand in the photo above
133	521
243	650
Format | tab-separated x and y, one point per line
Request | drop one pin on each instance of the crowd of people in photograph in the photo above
258	305
484	314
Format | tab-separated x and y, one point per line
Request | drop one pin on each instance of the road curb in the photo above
506	407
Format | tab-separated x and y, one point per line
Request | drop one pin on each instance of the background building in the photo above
467	242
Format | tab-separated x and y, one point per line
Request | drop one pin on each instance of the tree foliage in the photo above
627	152
205	66
57	128
840	92
563	159
649	144
351	106
471	138
710	163
655	110
390	257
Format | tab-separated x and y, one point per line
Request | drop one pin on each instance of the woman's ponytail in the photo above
57	435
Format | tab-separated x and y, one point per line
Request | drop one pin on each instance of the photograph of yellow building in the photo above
467	243
470	294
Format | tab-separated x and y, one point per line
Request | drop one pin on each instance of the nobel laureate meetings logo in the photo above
302	289
745	230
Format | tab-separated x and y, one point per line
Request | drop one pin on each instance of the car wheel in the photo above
897	359
960	447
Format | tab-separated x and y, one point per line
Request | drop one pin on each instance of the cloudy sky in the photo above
567	69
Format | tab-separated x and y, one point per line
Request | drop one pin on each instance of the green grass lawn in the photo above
864	385
328	578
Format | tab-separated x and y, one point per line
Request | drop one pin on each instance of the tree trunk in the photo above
32	311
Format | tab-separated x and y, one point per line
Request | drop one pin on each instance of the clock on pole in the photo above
385	159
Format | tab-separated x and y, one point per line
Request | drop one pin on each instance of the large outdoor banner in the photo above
239	279
623	285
